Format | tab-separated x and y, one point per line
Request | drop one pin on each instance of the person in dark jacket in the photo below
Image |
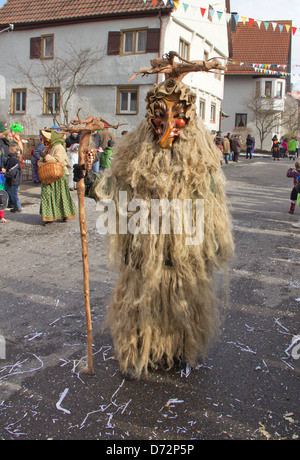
236	147
249	146
6	138
74	138
13	176
275	148
36	153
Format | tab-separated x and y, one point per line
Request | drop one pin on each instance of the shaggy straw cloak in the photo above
163	306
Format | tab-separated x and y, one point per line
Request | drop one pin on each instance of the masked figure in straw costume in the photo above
163	306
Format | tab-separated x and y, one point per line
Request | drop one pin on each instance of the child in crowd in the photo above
106	156
293	172
3	200
295	194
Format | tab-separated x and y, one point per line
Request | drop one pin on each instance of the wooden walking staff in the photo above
85	158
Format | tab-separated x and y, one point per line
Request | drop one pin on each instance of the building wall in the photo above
98	95
240	89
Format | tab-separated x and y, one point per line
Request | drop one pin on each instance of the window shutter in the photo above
153	39
113	45
35	48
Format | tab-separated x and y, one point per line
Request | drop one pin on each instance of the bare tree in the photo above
63	74
291	116
265	117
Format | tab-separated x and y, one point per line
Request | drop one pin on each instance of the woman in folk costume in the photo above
163	306
56	201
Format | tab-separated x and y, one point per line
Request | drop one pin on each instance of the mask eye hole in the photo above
179	115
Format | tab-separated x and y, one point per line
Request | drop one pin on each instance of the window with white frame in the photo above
127	101
202	109
213	113
279	89
51	100
184	49
18	101
134	41
268	89
47	46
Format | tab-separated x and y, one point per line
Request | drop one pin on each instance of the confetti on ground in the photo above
62	397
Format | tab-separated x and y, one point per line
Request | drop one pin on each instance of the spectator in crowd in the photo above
293	172
236	147
72	139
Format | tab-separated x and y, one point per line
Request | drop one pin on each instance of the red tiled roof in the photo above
254	45
39	11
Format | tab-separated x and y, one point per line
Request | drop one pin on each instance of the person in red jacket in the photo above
293	172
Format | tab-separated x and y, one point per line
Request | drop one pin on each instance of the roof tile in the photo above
30	11
254	45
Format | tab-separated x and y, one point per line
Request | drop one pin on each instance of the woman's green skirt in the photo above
56	201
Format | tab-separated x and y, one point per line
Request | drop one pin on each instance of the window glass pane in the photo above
279	90
212	112
124	101
49	102
133	102
241	120
23	101
128	42
141	41
268	88
48	46
17	103
201	111
56	101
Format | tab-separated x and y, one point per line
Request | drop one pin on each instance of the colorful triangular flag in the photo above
244	19
266	25
203	11
176	5
220	14
280	27
294	29
287	26
185	6
251	22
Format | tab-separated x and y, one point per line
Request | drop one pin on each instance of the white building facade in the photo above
264	94
124	45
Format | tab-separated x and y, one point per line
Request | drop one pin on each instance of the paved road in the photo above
248	387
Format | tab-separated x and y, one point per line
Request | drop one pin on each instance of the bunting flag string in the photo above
209	13
266	68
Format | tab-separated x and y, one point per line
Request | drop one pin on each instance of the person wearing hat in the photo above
56	201
105	136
